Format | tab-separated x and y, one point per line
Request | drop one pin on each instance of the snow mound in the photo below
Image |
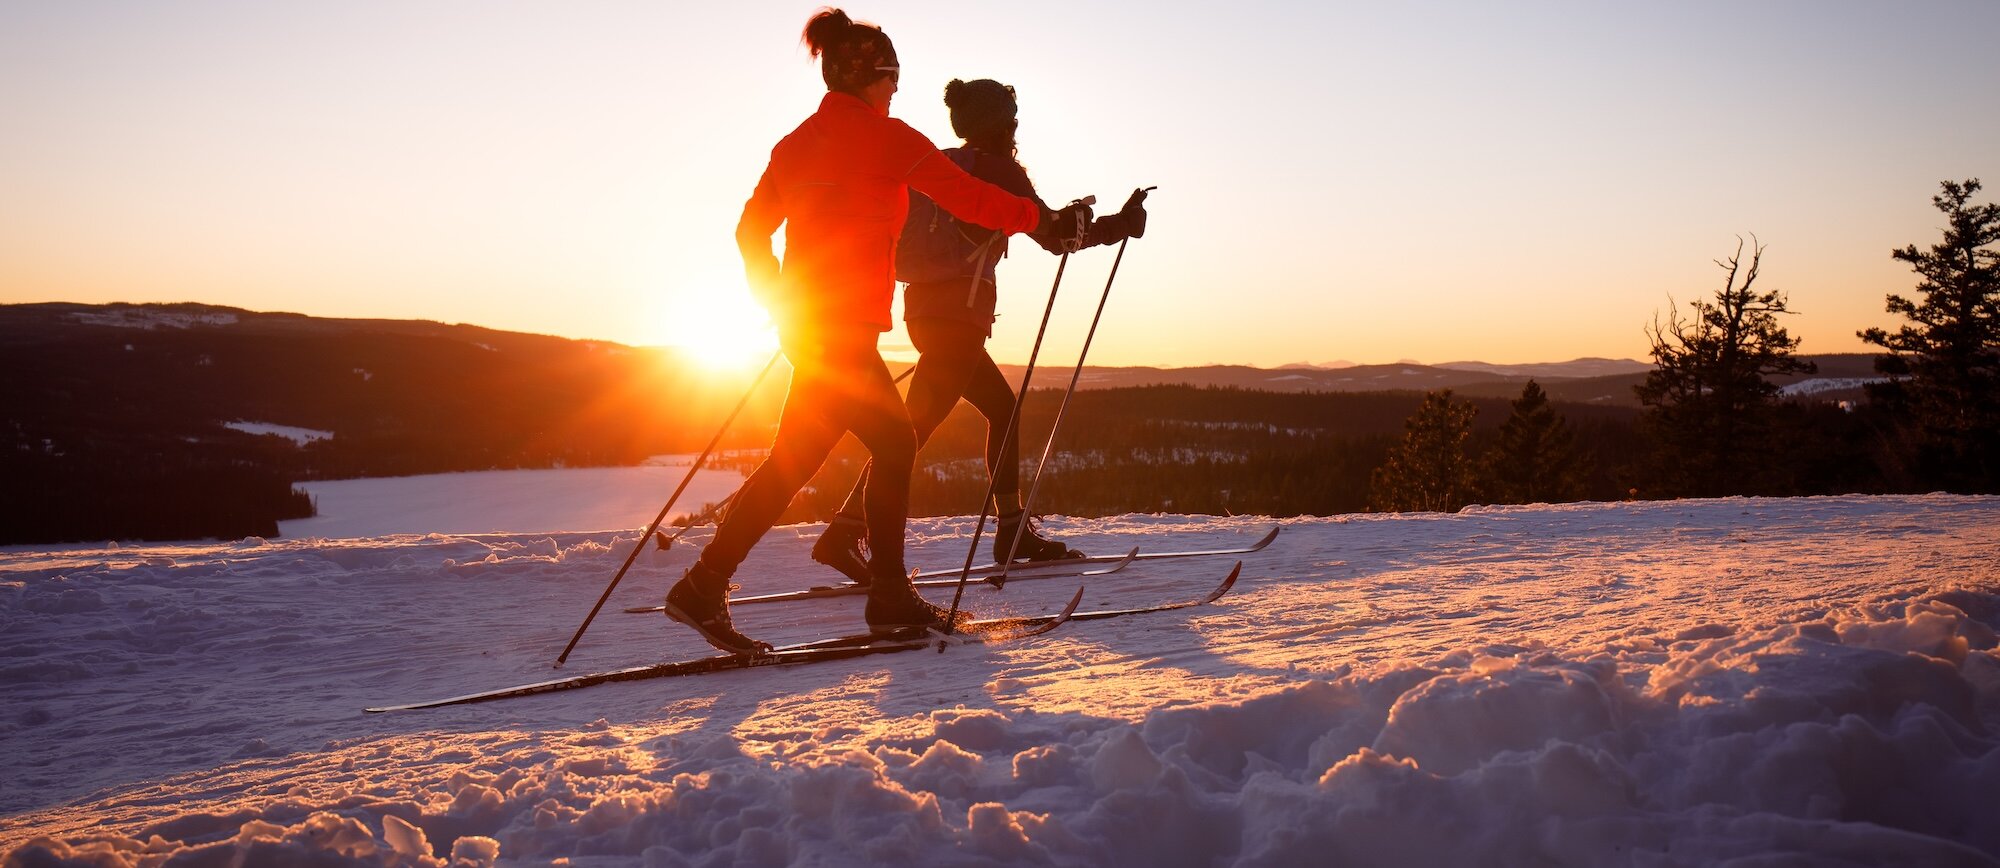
1863	736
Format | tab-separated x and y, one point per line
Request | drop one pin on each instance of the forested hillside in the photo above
119	422
1200	450
117	417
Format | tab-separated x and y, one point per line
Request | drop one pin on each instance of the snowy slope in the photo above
1677	683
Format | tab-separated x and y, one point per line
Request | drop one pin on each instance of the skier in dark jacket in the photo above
839	185
949	321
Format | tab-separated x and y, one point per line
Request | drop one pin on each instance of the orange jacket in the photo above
839	184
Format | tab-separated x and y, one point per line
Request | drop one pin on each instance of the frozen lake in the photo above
507	501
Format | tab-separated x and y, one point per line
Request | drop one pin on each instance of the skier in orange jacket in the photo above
839	185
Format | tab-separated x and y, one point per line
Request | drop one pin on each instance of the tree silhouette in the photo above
1536	459
1708	402
1428	471
1945	363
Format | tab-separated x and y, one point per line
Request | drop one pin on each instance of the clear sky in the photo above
1508	182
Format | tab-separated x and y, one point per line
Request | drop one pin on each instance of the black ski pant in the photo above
839	384
953	364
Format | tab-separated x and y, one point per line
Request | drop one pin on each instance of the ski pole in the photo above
666	543
1049	447
641	544
1006	437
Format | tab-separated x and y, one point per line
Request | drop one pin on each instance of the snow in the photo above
301	436
150	319
1767	681
1818	385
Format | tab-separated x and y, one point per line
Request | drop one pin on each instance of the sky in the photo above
1366	182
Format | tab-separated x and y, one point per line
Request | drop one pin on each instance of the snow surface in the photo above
1746	681
151	319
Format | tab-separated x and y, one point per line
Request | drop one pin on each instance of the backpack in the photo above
936	247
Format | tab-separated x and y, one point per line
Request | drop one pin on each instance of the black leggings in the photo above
952	364
839	384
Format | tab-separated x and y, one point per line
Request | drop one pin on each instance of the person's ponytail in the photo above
825	29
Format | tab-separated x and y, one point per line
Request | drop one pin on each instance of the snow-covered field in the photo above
1808	681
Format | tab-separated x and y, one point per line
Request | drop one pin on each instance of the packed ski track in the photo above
1677	683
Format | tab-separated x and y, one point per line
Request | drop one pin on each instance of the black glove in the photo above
1133	215
1069	226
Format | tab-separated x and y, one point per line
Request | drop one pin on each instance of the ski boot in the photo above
896	610
1033	546
701	600
839	547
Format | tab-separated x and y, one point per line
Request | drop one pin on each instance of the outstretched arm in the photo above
1109	229
1058	230
965	197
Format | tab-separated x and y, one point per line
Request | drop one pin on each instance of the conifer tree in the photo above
1429	470
1536	459
1708	402
1946	361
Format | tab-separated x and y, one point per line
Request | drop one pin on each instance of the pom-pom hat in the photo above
979	107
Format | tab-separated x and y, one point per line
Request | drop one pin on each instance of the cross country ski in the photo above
982	632
1068	569
988	573
1036	566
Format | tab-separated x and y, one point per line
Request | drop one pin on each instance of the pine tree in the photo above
1708	402
1946	361
1429	470
1536	459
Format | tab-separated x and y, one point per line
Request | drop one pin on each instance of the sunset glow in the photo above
729	332
1346	181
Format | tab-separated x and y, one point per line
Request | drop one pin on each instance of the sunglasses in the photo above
895	72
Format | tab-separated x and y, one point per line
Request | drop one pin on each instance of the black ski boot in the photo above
895	609
701	600
839	547
1033	546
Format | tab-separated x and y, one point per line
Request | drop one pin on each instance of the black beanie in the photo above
979	107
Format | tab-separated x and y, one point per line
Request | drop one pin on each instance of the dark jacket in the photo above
967	300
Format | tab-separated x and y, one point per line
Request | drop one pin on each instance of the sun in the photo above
724	331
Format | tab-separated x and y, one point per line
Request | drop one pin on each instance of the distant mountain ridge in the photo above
1358	378
1580	386
1584	380
1574	368
34	322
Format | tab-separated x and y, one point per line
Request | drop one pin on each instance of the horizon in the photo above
1346	182
892	351
897	352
